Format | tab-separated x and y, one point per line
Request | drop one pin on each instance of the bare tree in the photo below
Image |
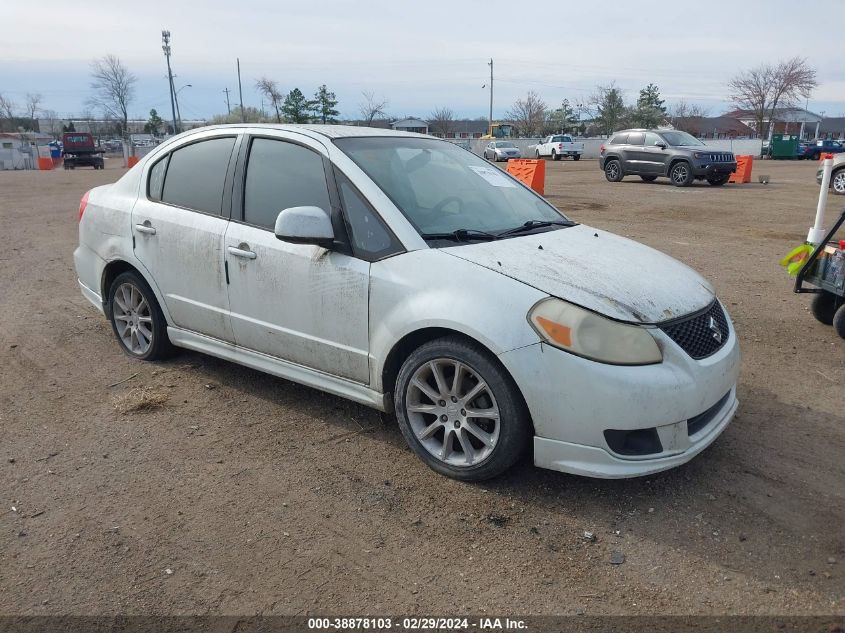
762	89
372	107
528	114
7	114
270	89
114	89
687	117
33	106
54	124
440	121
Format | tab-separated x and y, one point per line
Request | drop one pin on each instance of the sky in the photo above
417	55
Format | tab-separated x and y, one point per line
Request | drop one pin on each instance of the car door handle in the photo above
241	252
145	228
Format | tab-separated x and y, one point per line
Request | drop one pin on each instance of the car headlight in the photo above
592	336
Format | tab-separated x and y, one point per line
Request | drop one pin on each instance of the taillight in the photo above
601	149
82	204
560	145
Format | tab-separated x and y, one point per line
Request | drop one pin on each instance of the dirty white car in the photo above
407	274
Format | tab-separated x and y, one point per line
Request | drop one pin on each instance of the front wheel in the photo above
837	182
137	319
718	181
613	170
537	154
839	321
681	174
460	411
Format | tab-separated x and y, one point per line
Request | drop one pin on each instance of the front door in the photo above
654	156
300	303
178	229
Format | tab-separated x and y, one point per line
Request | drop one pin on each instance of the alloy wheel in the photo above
612	170
680	173
133	319
838	182
453	412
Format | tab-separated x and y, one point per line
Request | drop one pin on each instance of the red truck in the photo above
79	150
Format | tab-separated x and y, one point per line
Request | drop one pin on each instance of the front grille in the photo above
722	158
702	334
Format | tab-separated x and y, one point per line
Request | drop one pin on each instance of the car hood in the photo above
597	270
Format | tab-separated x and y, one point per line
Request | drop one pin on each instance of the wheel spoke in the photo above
438	378
431	394
121	317
422	408
469	451
143	339
446	450
481	435
474	392
492	414
456	380
430	430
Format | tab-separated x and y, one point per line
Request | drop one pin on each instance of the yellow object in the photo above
500	130
796	258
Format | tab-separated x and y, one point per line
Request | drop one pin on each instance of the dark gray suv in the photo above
676	155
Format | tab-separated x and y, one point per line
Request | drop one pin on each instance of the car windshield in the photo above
504	144
680	139
442	188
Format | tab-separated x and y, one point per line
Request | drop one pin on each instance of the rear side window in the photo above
156	181
557	139
619	139
636	138
280	175
371	239
196	173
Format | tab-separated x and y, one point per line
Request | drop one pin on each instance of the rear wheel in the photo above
681	174
460	411
537	154
837	182
613	170
576	157
839	321
649	178
555	155
823	306
136	318
718	181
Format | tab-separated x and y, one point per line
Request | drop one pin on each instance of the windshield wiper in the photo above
535	224
461	235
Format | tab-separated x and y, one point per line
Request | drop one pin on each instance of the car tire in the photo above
537	154
681	174
649	178
837	182
839	321
435	420
823	307
133	305
555	155
613	170
718	181
576	157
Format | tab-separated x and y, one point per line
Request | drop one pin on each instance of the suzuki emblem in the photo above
714	327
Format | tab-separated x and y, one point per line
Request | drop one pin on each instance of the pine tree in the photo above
296	107
650	110
324	105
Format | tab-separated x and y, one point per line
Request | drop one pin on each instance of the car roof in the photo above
318	130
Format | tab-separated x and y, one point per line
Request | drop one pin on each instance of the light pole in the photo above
176	98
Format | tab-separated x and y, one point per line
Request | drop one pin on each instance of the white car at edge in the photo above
408	274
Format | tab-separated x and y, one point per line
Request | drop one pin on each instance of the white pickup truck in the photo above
558	146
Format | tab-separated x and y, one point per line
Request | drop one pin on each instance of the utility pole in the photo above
491	91
165	38
228	107
241	92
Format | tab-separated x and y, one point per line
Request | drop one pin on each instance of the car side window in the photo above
636	138
156	179
280	175
196	173
557	139
619	139
651	138
370	237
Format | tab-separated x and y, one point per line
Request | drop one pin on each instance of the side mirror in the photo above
660	144
305	225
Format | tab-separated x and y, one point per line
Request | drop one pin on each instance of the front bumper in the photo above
574	401
708	170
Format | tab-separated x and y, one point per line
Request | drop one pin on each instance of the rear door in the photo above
635	159
178	226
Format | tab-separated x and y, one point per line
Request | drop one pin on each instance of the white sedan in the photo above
407	274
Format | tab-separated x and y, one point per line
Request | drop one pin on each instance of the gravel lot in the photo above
239	493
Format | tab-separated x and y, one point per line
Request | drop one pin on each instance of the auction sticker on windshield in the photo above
492	175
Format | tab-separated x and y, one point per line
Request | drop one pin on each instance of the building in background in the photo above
19	150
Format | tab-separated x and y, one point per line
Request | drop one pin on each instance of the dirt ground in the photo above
239	493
